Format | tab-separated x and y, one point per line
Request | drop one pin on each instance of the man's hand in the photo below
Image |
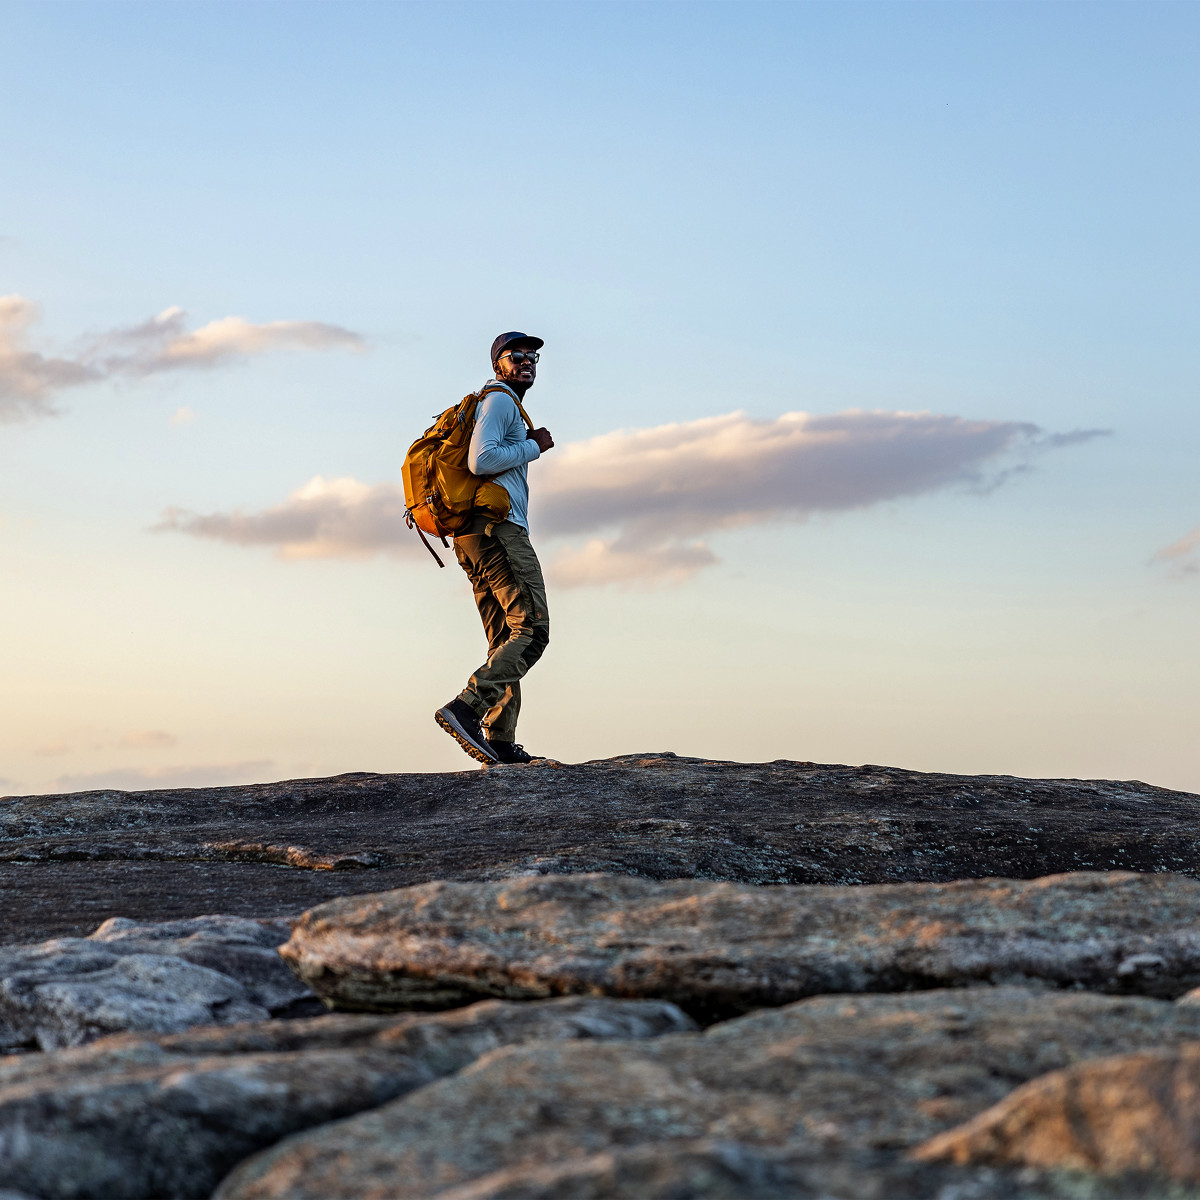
542	437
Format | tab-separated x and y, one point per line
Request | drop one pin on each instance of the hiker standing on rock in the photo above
500	561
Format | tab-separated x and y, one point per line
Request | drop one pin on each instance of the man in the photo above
500	563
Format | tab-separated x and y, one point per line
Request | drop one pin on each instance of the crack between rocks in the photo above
296	857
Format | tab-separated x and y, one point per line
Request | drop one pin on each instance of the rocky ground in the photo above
643	977
277	849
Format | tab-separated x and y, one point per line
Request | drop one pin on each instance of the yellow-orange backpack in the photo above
441	493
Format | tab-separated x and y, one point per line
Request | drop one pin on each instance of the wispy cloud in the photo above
326	518
30	380
625	561
644	499
145	778
164	343
1182	556
148	739
90	738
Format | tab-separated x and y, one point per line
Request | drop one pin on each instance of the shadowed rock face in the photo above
842	1084
69	862
718	949
1137	1112
169	1116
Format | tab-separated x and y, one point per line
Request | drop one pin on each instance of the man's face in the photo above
517	366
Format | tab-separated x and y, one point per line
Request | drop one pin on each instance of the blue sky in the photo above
981	212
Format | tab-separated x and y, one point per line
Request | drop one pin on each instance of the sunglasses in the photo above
520	356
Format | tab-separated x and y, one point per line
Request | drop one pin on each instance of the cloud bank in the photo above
654	491
642	499
1182	556
30	380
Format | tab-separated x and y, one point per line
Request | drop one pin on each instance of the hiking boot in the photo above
459	720
512	752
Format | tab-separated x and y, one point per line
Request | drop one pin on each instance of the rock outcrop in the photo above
168	1117
1134	1113
151	978
836	1086
976	1026
69	862
718	949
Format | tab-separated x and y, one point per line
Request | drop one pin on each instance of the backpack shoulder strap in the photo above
521	410
499	387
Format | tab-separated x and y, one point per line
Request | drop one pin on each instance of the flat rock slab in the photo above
148	977
1132	1113
131	1118
834	1090
718	949
710	1169
68	862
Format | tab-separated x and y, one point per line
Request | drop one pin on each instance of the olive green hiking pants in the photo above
511	596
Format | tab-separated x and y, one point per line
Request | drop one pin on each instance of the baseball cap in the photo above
510	341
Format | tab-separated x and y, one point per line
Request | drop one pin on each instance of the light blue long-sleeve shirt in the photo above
499	448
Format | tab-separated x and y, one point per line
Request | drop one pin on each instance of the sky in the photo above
871	362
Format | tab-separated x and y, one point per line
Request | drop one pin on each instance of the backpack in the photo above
441	493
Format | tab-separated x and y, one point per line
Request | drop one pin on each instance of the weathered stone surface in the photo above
722	1170
822	1082
719	948
243	949
68	862
714	1170
1135	1112
168	1117
152	978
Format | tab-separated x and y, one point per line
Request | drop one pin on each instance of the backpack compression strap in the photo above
408	520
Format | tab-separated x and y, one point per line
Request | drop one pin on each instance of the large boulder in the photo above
150	978
130	1118
1132	1113
719	949
835	1088
274	849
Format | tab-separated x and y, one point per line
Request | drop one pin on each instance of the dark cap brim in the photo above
513	341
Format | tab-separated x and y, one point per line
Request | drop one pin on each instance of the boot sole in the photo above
460	735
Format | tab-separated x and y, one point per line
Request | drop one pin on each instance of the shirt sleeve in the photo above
489	455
